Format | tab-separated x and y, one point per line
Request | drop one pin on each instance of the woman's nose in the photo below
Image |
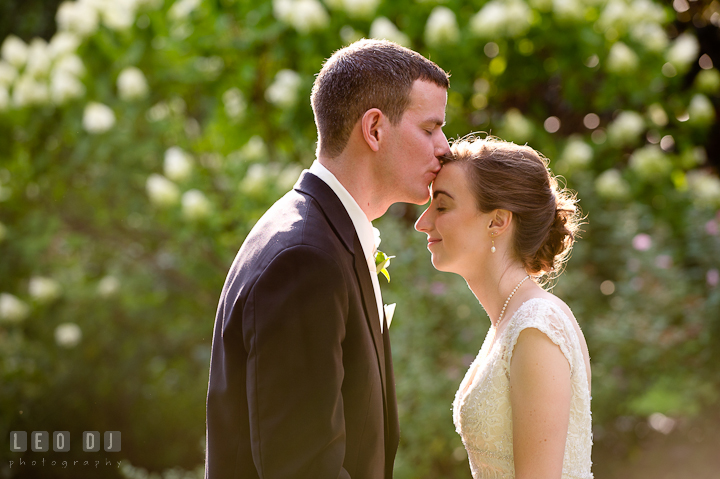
423	223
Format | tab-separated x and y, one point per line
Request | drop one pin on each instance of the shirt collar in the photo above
362	225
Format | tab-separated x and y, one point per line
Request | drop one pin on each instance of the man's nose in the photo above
443	148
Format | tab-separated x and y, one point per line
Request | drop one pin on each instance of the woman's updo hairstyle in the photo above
503	175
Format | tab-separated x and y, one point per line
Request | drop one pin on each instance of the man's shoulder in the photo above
288	222
296	219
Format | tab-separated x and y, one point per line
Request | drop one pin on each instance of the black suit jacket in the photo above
301	379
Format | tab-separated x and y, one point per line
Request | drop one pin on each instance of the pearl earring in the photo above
492	249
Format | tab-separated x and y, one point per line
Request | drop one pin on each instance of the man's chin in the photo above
421	200
415	199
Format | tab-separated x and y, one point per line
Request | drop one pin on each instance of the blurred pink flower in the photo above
713	277
711	228
437	288
663	261
642	242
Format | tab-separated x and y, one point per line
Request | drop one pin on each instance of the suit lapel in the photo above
342	225
371	312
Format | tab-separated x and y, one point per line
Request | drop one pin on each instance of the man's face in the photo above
411	162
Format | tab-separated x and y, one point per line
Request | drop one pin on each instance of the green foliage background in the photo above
141	279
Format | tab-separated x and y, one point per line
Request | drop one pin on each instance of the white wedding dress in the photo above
482	412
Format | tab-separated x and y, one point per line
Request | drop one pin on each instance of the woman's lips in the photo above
432	242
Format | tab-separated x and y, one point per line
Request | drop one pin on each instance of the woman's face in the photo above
457	231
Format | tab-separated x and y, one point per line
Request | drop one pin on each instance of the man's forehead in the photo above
429	99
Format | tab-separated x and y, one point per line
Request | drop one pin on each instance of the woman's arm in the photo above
540	393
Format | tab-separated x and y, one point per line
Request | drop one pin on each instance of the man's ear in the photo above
371	125
500	221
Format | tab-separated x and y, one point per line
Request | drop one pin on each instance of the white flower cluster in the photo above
256	179
178	164
108	286
260	176
501	18
622	59
283	92
12	309
40	72
79	17
254	150
611	185
624	14
642	19
131	84
83	17
683	52
43	290
288	176
657	114
650	35
163	192
701	109
516	127
195	205
181	9
355	8
98	118
68	335
304	16
577	155
704	188
626	128
442	27
562	10
234	103
383	29
650	163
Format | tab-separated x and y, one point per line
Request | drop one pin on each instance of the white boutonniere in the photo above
382	260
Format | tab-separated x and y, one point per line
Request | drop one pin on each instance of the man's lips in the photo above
432	241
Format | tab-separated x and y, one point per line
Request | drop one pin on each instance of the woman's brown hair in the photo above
503	175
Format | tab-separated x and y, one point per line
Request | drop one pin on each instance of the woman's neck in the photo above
493	288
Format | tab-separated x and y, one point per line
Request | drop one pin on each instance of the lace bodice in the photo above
482	412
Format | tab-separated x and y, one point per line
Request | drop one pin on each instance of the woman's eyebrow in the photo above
442	192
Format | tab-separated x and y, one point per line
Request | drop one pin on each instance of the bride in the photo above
498	219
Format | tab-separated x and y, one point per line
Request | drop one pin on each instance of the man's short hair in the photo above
366	74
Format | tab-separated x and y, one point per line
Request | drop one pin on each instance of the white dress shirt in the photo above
363	227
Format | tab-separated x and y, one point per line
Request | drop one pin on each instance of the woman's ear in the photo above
500	222
371	125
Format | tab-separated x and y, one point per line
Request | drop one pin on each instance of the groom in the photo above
301	379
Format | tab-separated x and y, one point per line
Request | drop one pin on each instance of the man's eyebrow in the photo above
437	121
442	192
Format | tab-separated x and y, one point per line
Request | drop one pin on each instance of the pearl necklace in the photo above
502	313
